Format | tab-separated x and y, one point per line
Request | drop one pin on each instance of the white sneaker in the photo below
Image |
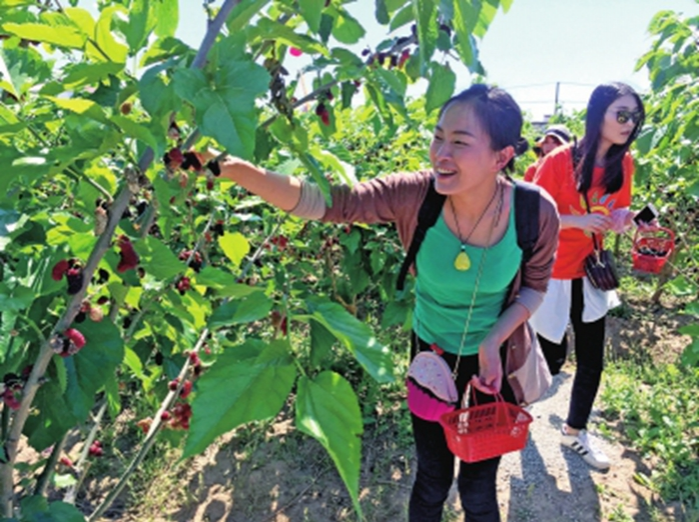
584	447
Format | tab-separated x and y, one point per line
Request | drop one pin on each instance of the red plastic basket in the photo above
652	247
485	431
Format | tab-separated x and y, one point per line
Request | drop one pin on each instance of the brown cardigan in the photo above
396	198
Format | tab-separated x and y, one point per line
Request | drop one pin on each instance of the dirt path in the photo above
547	482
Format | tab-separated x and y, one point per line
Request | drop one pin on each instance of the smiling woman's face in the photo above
460	152
612	131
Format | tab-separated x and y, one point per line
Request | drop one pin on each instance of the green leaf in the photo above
245	310
167	17
402	17
465	21
440	88
346	29
425	12
485	17
321	342
82	107
38	509
63	36
108	48
82	74
226	109
18	299
157	97
92	365
223	283
157	258
691	329
381	12
690	355
243	13
248	382
327	409
356	336
506	4
234	246
53	417
137	28
137	131
311	11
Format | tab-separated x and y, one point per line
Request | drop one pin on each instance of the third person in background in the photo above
599	168
555	136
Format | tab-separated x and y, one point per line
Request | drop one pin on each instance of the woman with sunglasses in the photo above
600	169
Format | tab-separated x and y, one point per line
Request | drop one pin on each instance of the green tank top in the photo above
443	294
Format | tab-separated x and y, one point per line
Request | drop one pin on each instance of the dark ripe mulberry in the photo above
75	280
173	158
196	261
10	378
214	167
218	228
141	207
102	277
191	160
320	108
80	317
159	358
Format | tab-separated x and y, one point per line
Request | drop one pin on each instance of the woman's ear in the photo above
504	156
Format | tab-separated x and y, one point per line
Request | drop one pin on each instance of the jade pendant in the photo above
462	261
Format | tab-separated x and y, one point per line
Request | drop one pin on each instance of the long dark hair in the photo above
600	100
499	115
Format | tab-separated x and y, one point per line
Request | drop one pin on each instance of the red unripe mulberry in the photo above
76	337
129	257
59	269
186	389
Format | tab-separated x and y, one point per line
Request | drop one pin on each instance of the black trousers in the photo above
589	356
435	462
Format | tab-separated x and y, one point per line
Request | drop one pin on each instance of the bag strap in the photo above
594	236
427	216
527	202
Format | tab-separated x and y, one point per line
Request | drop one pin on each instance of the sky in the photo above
536	45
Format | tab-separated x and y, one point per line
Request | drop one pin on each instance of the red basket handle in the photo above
474	401
650	231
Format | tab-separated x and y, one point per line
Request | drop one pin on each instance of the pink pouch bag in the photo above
431	388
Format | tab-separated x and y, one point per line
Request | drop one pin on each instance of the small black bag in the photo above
599	265
601	270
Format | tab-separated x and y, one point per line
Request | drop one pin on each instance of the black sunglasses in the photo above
622	116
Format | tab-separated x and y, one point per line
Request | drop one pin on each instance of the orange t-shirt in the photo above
555	175
531	170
